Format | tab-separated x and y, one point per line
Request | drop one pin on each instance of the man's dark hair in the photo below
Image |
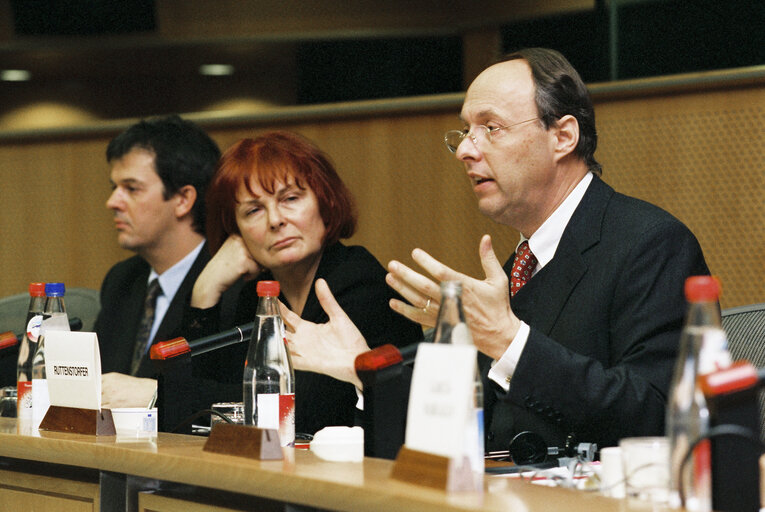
560	91
183	155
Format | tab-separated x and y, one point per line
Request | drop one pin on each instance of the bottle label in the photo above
40	400
33	328
24	399
714	354
267	410
287	419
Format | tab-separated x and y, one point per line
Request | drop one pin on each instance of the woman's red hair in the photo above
278	157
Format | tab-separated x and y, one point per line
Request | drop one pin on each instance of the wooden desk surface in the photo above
304	479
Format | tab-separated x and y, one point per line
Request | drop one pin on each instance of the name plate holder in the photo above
435	471
78	420
442	421
244	441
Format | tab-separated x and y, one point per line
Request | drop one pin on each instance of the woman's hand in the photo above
329	348
231	262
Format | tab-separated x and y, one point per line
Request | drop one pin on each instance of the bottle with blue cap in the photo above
54	319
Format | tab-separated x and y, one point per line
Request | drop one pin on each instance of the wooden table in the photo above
72	469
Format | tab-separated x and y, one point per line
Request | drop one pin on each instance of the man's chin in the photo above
127	243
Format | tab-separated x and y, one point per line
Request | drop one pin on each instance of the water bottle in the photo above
269	380
27	350
703	349
54	319
452	328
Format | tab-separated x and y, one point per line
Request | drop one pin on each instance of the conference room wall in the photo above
696	150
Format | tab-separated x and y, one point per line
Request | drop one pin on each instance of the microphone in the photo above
174	380
734	435
10	339
172	348
386	378
384	356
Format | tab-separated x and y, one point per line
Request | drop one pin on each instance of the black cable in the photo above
732	430
199	414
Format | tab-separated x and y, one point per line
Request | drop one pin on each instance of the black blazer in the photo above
605	316
357	280
122	296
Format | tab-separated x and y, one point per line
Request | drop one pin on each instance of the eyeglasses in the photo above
454	138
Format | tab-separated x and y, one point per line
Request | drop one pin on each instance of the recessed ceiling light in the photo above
216	69
15	75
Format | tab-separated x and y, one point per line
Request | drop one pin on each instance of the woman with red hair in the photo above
276	210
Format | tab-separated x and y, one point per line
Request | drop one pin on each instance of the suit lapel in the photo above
540	302
133	312
174	315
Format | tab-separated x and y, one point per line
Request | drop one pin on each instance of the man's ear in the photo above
185	198
567	136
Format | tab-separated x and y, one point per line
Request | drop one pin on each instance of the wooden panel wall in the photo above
698	154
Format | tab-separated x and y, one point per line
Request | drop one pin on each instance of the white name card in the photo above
440	399
73	369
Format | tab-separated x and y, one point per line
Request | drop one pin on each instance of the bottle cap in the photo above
268	288
37	289
54	289
702	289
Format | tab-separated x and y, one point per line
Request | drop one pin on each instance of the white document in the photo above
440	399
73	369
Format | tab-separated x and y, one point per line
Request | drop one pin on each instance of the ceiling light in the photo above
216	69
15	75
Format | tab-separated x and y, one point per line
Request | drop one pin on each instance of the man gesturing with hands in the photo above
578	331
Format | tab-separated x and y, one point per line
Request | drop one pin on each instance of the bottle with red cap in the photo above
269	379
703	350
27	350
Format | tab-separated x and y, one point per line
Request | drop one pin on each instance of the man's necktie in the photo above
144	331
523	266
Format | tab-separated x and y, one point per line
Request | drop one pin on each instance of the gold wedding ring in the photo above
427	305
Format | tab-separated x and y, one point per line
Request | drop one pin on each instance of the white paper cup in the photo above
611	472
645	462
135	422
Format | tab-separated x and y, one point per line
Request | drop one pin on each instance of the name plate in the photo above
73	369
440	399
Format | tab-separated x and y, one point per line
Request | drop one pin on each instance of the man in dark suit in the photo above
160	172
587	346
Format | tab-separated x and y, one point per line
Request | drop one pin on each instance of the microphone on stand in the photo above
734	434
386	374
10	339
9	352
168	349
175	384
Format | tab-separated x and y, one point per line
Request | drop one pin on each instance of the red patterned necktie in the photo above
523	266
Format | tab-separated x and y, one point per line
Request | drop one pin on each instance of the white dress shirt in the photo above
543	244
170	280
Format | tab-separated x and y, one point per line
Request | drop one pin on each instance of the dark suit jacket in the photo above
357	281
605	316
122	296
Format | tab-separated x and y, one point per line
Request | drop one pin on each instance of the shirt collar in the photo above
172	278
544	242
